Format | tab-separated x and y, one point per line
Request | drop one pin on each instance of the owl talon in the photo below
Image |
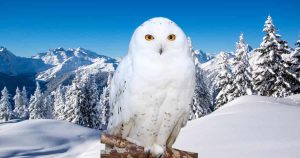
147	151
157	150
160	156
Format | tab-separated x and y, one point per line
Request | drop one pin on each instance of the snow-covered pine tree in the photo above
270	76
6	112
296	55
89	115
48	107
31	100
36	106
94	99
59	103
241	69
19	110
294	65
72	111
25	102
24	96
104	104
223	83
201	104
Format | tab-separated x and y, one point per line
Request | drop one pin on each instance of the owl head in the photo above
158	37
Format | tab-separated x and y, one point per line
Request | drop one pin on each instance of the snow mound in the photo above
47	138
248	127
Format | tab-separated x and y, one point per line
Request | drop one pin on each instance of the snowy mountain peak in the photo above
65	61
80	49
202	56
81	52
59	55
2	48
14	65
58	49
5	53
225	54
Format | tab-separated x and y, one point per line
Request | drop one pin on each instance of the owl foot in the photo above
147	151
157	150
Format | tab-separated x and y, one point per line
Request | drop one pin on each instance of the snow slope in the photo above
248	127
48	138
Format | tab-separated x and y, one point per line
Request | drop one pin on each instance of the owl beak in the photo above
160	51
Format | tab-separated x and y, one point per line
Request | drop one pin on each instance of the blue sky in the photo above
32	26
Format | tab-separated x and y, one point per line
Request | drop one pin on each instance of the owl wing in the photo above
118	107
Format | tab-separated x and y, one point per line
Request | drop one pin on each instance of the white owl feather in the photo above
153	86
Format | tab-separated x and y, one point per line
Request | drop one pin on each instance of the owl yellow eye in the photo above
149	37
171	37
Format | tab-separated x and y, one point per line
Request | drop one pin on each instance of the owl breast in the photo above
159	97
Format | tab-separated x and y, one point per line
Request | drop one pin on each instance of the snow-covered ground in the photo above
48	138
248	127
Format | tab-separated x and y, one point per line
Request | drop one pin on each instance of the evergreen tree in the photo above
19	110
94	102
270	75
59	104
72	99
6	112
242	76
24	96
104	104
294	65
48	107
223	83
296	56
25	102
201	104
36	105
89	115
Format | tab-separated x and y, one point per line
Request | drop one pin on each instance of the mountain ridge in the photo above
14	65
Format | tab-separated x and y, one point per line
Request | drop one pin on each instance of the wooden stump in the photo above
120	148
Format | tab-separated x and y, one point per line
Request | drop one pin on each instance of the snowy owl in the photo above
153	86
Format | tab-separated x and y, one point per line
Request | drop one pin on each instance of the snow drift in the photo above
248	127
47	138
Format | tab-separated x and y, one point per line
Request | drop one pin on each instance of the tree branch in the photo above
118	148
